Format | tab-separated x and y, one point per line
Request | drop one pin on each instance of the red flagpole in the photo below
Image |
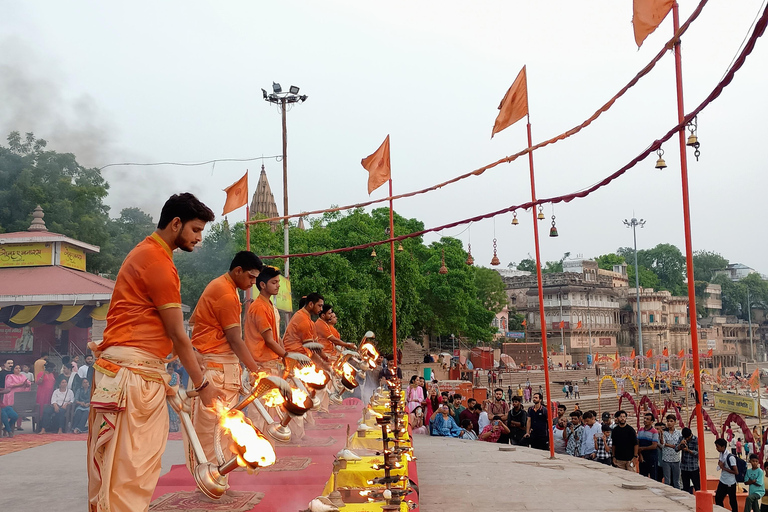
541	291
392	276
700	495
247	230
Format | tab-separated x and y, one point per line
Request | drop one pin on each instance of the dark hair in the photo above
470	400
413	379
753	456
653	418
50	366
619	413
265	274
246	260
588	415
498	389
671	417
466	423
516	398
560	406
606	428
313	297
477	407
541	397
186	207
575	414
65	360
457	395
686	432
721	442
326	308
444	393
497	418
578	412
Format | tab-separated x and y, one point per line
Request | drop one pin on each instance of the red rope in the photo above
716	92
477	172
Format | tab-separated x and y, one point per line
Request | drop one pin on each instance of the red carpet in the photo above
287	490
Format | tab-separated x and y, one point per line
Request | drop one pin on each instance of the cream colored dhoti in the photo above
127	429
224	372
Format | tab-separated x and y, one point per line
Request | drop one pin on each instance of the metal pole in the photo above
701	495
749	317
637	291
562	341
285	187
541	289
392	275
589	329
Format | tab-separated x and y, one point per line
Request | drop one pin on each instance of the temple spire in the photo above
263	202
38	224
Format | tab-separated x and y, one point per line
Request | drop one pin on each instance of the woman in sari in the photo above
414	395
14	382
82	408
46	382
432	403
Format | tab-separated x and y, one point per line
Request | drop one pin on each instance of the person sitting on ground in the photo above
754	478
491	433
466	431
55	414
471	414
82	407
442	423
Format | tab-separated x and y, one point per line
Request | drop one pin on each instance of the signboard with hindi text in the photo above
740	404
15	340
26	255
72	257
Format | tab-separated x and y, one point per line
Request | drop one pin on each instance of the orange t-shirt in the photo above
259	319
299	329
147	282
217	310
324	330
335	332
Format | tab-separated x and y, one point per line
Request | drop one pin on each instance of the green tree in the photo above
491	291
71	195
125	233
705	263
664	260
607	261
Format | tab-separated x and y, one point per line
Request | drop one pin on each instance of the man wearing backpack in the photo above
728	467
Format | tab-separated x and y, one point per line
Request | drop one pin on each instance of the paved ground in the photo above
457	475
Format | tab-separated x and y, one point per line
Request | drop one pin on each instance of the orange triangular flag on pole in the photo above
649	353
562	324
709	353
378	166
578	325
237	195
681	354
514	105
754	380
632	355
617	362
665	352
683	369
525	323
719	371
647	15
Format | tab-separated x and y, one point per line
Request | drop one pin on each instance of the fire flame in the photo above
298	396
369	352
311	375
273	398
254	450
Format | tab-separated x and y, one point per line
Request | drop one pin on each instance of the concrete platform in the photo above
458	475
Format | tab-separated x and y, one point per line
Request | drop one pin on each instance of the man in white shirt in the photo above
55	415
82	372
728	468
69	376
591	429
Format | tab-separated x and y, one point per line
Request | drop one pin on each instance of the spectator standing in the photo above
517	421
648	442
537	426
570	389
625	447
558	434
39	366
498	407
442	424
482	417
670	454
689	461
592	429
604	445
28	374
573	435
519	391
82	372
15	382
46	381
726	464
433	402
576	393
6	370
739	448
565	391
560	414
509	394
472	414
607	420
456	408
82	407
414	395
527	394
493	432
755	479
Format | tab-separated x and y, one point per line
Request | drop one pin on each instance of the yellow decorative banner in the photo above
744	405
72	257
26	255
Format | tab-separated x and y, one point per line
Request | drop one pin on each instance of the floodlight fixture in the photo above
276	87
294	90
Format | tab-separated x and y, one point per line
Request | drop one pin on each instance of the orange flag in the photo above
681	354
665	352
562	324
378	166
525	323
683	369
514	105
649	353
754	380
709	353
632	355
647	15
578	325
657	366
237	195
719	371
617	362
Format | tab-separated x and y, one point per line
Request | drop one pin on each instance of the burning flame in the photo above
254	449
298	396
349	371
273	398
369	352
311	375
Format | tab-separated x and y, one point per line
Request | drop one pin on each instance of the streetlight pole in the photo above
562	340
282	99
633	224
749	317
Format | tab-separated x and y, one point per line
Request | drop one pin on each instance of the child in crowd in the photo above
603	445
755	479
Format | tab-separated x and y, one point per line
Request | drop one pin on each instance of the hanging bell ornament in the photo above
443	269
692	140
553	229
400	247
515	222
380	268
373	253
541	215
495	260
660	163
470	259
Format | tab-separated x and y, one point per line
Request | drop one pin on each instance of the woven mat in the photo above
288	464
22	441
310	441
326	426
328	415
196	501
344	407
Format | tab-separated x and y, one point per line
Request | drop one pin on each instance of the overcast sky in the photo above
181	81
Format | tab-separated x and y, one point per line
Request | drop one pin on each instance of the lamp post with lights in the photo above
634	223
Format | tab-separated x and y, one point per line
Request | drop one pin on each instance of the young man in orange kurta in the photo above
327	335
128	421
301	328
216	336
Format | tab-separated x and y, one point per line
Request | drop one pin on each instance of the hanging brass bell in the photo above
692	140
495	261
553	229
515	222
443	269
470	260
380	268
661	164
541	216
400	247
373	253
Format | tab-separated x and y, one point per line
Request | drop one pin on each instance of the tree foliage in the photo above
705	263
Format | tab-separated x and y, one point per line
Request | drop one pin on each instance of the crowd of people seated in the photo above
62	394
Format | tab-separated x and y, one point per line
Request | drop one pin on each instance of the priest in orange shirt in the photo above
128	421
301	328
216	336
329	338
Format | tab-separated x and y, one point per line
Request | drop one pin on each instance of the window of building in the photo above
651	318
677	319
565	295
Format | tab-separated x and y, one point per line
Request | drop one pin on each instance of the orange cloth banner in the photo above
578	324
647	15
237	195
665	352
514	105
709	353
632	355
754	380
649	353
378	166
681	354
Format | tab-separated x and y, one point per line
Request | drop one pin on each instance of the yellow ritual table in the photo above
372	441
358	473
371	422
369	507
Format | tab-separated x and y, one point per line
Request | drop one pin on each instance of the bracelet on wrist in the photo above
201	386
